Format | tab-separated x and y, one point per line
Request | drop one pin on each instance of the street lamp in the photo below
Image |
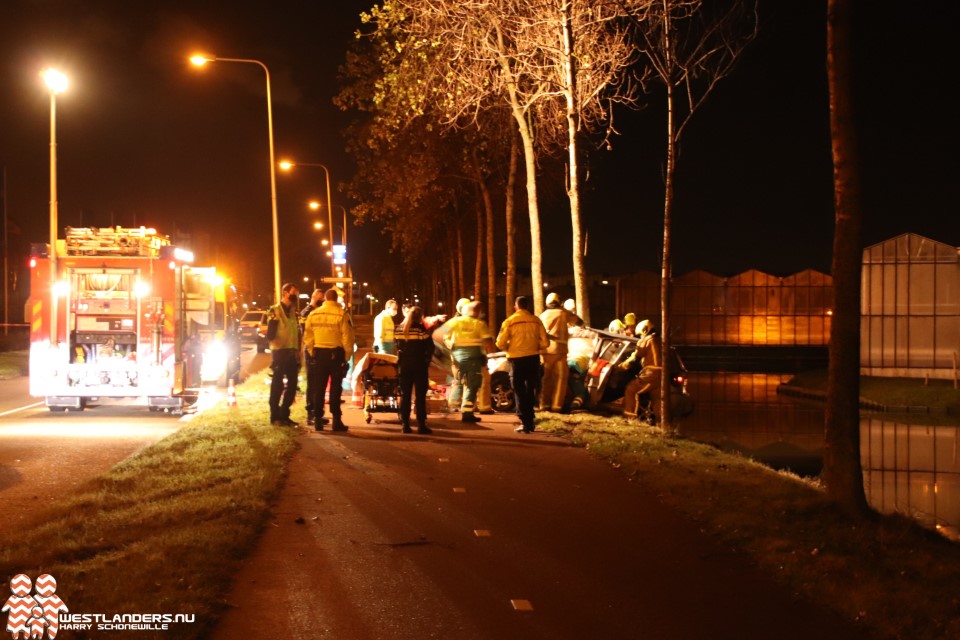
200	60
57	83
342	208
287	165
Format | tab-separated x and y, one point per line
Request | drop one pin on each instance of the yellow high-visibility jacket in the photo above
522	334
467	331
327	327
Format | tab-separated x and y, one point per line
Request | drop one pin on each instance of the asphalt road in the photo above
478	532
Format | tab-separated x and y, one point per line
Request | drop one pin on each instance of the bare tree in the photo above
558	66
586	53
510	276
690	46
842	472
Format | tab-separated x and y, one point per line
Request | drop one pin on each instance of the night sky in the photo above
144	138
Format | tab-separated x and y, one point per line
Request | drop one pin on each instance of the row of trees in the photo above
453	96
453	92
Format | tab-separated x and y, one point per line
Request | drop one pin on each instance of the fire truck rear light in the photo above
33	263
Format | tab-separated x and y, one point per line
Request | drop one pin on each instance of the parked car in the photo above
253	328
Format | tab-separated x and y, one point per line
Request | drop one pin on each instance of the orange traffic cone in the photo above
231	394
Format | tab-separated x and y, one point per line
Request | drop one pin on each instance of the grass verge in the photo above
13	364
887	572
938	395
162	531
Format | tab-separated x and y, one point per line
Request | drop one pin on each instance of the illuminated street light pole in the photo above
200	60
344	237
57	83
287	165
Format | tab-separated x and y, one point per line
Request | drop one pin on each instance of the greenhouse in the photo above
910	308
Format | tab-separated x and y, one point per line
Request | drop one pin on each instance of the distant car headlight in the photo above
214	360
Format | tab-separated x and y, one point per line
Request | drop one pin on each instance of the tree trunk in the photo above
666	268
452	286
510	277
478	264
461	276
530	164
842	472
573	174
490	260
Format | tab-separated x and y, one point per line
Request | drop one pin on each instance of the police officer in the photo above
328	336
469	340
283	334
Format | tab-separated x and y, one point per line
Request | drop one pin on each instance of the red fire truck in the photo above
126	315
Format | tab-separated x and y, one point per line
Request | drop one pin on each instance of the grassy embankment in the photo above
887	572
163	530
900	396
13	364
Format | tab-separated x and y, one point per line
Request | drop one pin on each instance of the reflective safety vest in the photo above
288	328
467	331
327	327
383	328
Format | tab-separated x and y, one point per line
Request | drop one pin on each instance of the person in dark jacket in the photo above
414	351
316	299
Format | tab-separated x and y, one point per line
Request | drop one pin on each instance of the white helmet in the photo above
570	305
553	298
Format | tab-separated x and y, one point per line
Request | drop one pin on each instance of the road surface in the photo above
477	532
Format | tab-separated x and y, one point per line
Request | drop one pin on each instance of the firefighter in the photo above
523	338
469	340
557	321
642	394
283	333
328	336
630	324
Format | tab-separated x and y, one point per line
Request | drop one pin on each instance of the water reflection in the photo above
913	469
742	412
907	468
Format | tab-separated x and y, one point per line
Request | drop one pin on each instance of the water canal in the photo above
912	469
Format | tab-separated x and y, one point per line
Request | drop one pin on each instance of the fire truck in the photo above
126	314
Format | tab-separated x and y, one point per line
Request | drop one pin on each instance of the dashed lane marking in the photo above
482	533
459	490
521	605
